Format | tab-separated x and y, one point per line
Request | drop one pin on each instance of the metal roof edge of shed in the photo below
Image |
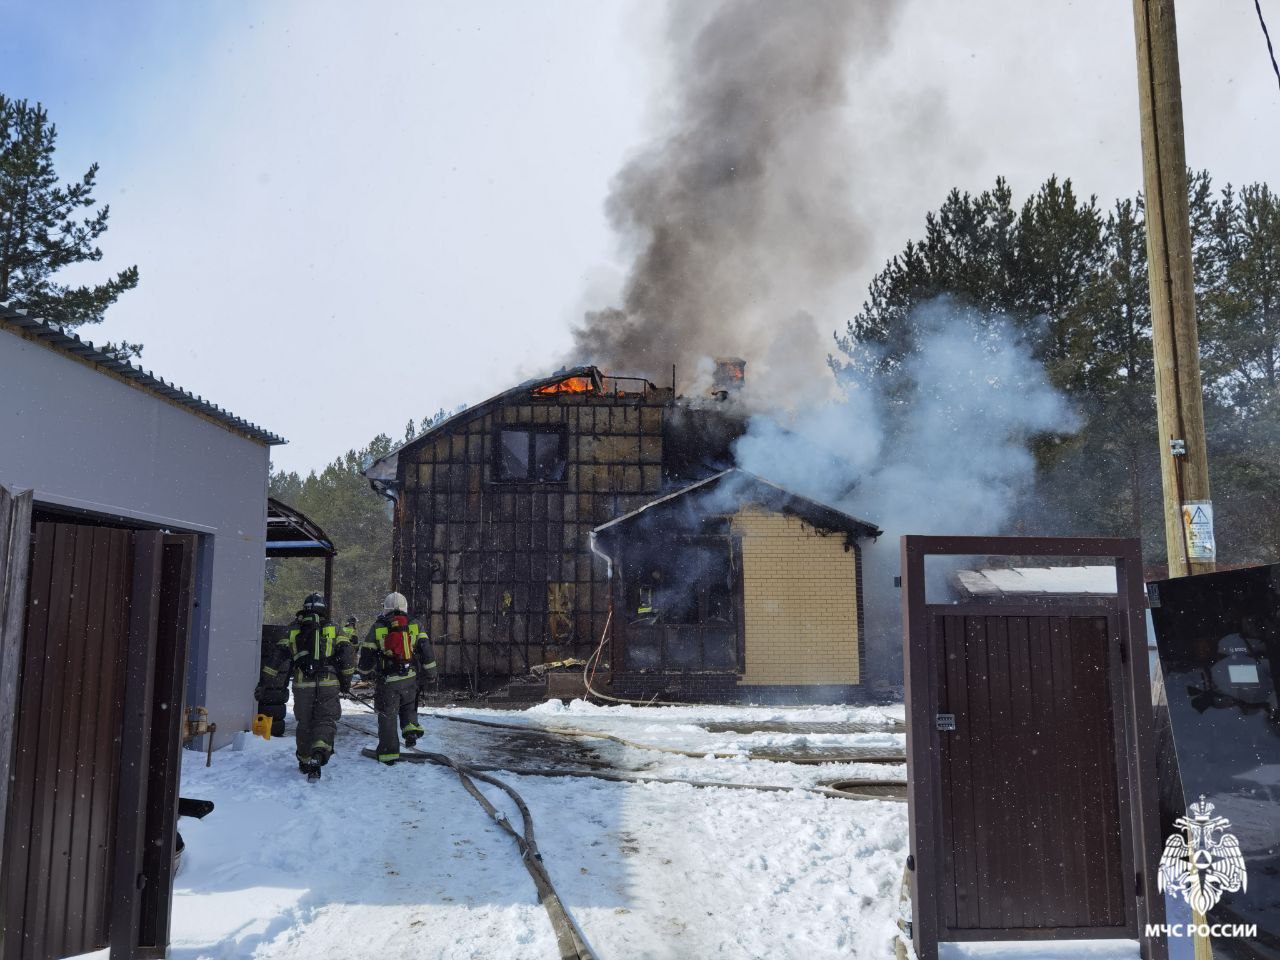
832	516
392	456
312	540
52	336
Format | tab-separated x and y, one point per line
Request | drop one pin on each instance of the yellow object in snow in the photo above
262	726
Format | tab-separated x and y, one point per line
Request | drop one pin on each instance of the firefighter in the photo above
393	651
320	660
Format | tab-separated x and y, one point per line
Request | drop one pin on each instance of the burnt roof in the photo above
736	487
383	470
53	337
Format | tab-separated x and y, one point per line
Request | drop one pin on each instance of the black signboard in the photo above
1218	636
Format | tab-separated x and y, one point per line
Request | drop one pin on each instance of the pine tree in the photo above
45	226
1074	283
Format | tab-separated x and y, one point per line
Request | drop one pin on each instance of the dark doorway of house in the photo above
91	816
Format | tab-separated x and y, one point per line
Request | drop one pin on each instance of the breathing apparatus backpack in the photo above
314	647
398	644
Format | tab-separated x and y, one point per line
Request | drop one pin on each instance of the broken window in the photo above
680	606
530	456
685	583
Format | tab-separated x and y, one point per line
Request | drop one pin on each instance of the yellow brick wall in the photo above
799	601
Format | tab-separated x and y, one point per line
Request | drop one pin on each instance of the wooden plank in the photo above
135	734
177	594
1071	742
65	746
982	785
963	840
18	849
1004	855
105	739
49	725
1102	821
86	772
946	703
920	657
1025	831
15	565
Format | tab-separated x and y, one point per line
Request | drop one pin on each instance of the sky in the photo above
349	215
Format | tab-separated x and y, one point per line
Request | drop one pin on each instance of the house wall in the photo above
86	440
503	572
800	602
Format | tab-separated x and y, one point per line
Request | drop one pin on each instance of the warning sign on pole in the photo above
1197	520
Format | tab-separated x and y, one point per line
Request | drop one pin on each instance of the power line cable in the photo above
1257	4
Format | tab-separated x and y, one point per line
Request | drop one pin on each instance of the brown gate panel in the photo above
1027	846
1030	765
60	823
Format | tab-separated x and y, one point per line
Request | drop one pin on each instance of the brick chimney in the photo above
729	376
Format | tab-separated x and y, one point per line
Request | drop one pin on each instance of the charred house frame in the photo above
494	507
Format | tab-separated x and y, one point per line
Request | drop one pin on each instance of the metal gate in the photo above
1032	790
91	814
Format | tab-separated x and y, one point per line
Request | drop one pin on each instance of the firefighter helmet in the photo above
314	603
395	603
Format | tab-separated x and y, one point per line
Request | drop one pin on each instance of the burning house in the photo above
495	510
734	588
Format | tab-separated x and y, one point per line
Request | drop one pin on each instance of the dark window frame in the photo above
532	430
698	630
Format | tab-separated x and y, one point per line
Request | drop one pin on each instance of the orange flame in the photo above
567	385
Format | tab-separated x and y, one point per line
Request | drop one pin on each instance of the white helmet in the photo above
395	602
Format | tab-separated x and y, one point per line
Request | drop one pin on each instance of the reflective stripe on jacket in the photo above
331	651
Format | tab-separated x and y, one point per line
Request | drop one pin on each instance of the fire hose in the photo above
569	938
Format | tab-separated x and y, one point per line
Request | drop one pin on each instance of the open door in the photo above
88	843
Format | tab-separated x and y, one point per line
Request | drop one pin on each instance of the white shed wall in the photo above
81	438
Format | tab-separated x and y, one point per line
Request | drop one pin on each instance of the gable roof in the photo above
736	487
52	336
382	471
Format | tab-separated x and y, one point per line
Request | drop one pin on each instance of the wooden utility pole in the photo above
1184	467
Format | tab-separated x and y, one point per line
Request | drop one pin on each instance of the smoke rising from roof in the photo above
745	227
739	217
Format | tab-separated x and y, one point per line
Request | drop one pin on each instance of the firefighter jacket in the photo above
314	653
377	660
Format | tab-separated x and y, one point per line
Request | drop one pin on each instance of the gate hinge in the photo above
141	882
946	721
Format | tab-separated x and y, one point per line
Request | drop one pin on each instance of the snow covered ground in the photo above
401	862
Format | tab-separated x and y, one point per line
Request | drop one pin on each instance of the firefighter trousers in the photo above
316	709
397	704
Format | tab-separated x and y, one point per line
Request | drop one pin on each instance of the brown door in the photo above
1031	822
61	821
108	613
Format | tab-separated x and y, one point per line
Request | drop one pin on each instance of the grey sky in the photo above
349	215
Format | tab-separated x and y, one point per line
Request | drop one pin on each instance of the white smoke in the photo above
944	452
